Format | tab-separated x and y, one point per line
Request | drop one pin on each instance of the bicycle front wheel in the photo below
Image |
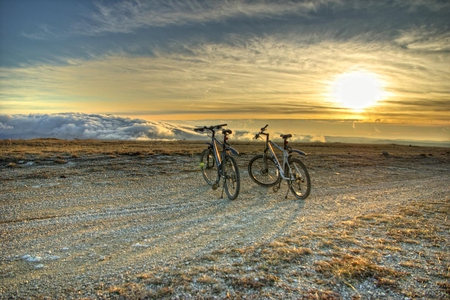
299	182
265	174
208	166
232	179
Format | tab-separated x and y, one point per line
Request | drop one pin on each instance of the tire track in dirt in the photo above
98	227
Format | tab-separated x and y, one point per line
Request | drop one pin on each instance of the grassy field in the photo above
57	148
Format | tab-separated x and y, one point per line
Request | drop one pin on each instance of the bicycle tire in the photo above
208	167
232	178
259	175
301	186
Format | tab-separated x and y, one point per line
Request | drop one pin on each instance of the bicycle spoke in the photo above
231	177
209	167
265	174
299	182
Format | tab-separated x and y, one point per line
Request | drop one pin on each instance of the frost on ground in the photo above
102	226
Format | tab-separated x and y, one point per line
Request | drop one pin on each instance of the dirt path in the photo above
73	227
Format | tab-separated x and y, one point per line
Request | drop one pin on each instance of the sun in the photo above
357	90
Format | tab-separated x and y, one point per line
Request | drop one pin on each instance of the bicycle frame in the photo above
268	170
226	166
285	151
270	145
216	145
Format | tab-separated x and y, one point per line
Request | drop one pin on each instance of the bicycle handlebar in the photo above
211	128
261	132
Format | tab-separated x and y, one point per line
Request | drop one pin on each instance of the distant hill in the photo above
364	140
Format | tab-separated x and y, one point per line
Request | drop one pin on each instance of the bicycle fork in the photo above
224	175
287	171
295	178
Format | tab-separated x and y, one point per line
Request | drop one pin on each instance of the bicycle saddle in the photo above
227	131
286	136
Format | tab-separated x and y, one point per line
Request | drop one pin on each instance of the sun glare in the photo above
357	90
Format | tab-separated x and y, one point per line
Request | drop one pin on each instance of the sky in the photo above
318	69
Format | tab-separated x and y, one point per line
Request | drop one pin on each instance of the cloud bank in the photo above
90	126
110	127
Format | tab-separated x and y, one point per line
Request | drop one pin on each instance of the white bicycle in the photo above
266	170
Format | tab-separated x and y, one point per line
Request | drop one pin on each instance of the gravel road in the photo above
72	227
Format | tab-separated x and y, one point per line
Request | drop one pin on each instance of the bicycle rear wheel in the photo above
300	183
263	174
209	167
232	183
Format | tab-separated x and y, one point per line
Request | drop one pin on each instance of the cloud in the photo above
268	76
42	32
318	138
90	126
110	127
425	39
202	59
131	16
128	16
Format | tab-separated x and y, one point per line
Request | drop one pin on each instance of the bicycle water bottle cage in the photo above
227	131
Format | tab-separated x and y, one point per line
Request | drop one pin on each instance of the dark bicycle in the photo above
216	162
266	170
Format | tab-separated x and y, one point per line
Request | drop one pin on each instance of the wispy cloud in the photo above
127	16
305	22
269	76
43	32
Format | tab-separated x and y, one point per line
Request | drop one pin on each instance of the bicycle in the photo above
216	164
266	170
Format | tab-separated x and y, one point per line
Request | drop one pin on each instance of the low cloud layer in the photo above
89	126
101	126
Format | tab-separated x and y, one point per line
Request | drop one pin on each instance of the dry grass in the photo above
51	148
349	267
58	149
371	249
